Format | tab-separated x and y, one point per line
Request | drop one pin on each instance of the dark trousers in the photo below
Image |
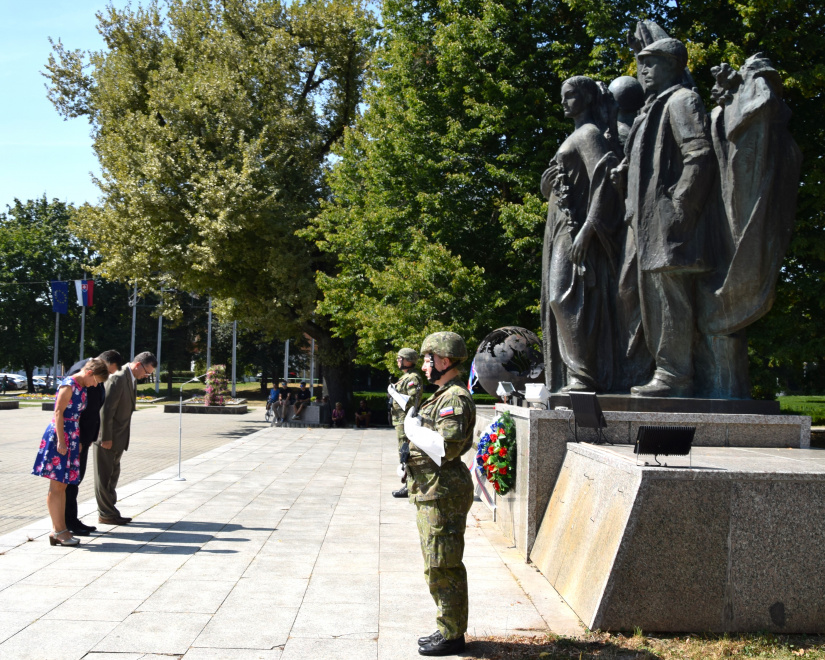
72	489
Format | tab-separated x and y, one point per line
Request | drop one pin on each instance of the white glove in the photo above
400	470
427	440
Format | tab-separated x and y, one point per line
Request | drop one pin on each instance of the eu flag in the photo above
60	297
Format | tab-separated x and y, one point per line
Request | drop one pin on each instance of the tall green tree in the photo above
435	217
213	122
36	246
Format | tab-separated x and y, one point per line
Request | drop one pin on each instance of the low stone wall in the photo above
733	544
205	410
9	405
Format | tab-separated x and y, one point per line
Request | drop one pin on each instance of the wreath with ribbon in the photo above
496	454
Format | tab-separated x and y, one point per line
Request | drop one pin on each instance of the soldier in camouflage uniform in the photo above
443	495
410	384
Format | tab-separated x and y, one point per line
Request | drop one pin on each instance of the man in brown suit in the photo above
115	424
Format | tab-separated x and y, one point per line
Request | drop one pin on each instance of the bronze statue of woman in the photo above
580	257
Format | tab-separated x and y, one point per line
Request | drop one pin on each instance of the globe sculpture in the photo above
510	354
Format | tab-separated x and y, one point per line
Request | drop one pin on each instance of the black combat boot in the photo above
401	492
428	638
440	646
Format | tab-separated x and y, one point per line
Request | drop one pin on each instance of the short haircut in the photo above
97	367
112	357
147	359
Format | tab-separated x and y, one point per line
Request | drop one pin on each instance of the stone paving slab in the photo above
283	544
153	447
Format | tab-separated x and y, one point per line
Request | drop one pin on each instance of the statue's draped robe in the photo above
759	166
577	303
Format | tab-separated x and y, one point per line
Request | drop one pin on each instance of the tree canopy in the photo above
213	122
435	216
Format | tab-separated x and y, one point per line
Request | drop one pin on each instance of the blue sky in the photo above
39	152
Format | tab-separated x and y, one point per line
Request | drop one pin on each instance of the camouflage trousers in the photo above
441	525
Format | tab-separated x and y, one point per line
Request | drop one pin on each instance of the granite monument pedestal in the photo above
543	437
733	544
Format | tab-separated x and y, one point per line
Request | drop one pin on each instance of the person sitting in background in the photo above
362	415
89	426
282	402
302	400
338	416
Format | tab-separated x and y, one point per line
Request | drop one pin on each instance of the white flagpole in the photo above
234	353
157	371
56	342
134	319
82	318
286	362
311	368
209	337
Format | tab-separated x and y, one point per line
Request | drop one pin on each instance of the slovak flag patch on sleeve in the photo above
446	411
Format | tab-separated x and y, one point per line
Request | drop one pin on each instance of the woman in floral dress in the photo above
59	456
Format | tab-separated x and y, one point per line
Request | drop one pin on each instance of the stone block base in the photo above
543	437
733	544
9	405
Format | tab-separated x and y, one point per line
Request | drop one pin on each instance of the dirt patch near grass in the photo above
640	646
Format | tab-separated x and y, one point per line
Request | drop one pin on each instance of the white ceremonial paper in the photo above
400	399
427	440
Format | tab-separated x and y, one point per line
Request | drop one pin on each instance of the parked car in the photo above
15	381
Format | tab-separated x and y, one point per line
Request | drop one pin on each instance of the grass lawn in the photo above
805	405
638	646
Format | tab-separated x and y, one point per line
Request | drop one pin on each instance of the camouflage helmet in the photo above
445	344
408	354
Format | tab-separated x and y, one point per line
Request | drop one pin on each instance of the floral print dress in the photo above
49	463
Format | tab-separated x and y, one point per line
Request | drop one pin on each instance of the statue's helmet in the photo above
445	344
408	354
672	48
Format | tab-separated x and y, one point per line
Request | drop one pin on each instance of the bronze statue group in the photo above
666	227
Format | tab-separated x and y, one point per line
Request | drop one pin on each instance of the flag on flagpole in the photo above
473	379
60	297
85	289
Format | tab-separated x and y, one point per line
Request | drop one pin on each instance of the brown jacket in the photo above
116	413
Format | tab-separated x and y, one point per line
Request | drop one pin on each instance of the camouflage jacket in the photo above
452	414
410	384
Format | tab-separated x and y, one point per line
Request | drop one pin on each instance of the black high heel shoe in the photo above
54	540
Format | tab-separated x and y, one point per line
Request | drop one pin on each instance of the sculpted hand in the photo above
548	178
581	242
618	176
106	444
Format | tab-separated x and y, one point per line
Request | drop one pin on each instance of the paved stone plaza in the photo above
154	446
283	543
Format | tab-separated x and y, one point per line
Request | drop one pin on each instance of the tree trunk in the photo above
169	391
29	377
264	379
336	356
338	385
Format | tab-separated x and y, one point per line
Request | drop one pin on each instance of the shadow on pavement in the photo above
184	537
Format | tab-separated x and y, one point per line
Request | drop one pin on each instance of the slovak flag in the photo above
473	380
85	289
